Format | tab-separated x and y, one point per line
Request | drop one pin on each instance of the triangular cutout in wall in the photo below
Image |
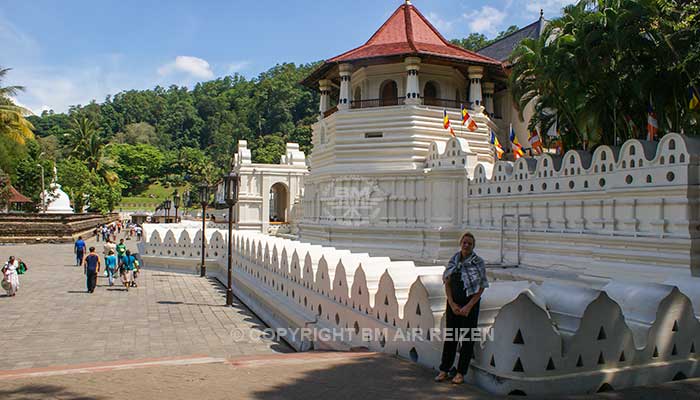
518	338
518	367
550	365
601	334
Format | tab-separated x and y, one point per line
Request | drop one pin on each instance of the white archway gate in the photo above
269	190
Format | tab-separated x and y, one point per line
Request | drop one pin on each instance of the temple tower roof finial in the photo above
408	2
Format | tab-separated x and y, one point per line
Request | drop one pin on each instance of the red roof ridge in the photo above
398	36
409	25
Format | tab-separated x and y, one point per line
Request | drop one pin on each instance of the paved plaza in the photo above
171	338
57	323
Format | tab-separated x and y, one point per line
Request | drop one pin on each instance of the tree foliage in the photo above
598	68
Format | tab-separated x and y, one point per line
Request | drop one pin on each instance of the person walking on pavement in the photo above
127	269
91	266
79	250
108	246
10	278
121	251
111	266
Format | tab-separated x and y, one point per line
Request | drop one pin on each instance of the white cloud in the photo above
551	8
486	20
237	66
194	66
16	44
443	26
58	88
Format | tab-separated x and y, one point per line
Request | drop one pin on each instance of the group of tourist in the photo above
11	271
118	260
110	231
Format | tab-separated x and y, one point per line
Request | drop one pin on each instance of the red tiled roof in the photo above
17	197
408	32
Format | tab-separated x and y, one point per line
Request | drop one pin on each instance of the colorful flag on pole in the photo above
467	119
514	145
535	142
632	126
497	145
446	123
694	98
559	146
652	124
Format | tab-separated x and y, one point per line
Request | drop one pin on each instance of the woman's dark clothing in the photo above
449	350
473	268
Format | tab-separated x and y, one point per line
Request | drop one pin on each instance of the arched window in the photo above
388	93
358	94
430	91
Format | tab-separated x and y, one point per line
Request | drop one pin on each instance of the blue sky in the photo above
71	52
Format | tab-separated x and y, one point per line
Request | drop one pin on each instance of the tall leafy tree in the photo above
13	124
596	70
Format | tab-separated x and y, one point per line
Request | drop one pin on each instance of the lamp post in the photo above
167	204
176	202
231	181
43	190
203	199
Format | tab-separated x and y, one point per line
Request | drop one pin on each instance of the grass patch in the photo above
151	197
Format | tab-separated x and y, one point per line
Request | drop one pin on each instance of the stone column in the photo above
412	81
344	98
324	86
488	88
475	75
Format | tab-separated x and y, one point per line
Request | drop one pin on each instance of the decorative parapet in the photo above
542	339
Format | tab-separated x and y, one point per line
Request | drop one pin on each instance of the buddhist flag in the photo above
559	146
694	98
515	146
446	123
535	141
631	125
467	119
652	124
497	145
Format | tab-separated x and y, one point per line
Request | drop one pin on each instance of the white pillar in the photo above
412	81
324	86
344	98
475	75
488	88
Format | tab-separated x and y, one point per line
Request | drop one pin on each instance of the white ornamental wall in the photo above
632	209
542	339
629	208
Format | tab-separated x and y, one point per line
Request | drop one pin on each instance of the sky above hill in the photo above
71	52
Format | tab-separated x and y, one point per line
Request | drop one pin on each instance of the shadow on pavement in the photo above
34	391
371	377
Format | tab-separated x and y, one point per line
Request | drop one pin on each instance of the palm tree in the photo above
88	145
13	125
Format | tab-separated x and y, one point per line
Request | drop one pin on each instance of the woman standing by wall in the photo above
465	281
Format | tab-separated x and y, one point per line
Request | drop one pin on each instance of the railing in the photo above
330	111
445	103
370	103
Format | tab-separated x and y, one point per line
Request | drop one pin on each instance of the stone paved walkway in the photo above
53	321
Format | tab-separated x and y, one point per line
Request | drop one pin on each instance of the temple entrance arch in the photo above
279	202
